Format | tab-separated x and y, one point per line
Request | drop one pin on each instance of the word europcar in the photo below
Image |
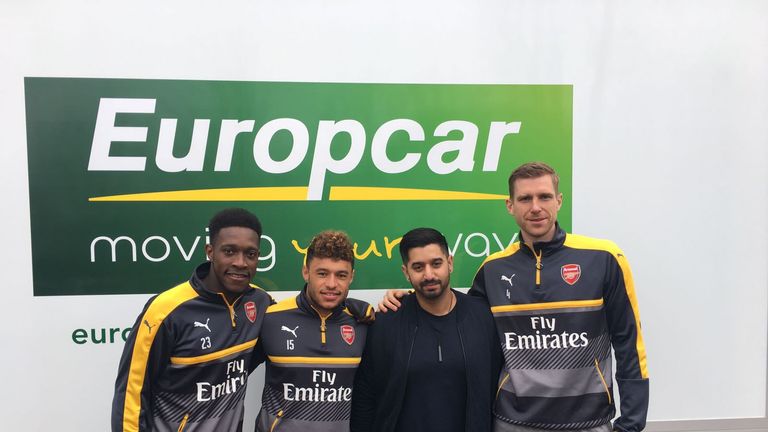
106	132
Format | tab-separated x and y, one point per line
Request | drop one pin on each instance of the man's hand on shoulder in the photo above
391	300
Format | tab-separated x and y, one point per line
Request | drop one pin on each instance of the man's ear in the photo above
510	206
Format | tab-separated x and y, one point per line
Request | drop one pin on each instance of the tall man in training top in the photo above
560	301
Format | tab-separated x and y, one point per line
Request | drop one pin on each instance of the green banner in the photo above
125	174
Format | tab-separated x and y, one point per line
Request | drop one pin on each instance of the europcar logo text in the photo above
126	173
442	158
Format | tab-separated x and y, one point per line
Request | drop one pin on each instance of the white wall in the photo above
670	157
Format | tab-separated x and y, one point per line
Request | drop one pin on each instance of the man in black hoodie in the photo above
434	364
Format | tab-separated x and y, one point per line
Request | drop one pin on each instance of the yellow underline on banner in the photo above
298	193
354	193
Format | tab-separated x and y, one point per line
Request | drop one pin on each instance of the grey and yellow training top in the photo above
186	362
559	308
311	365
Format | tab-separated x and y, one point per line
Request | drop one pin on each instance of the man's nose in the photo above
239	260
429	273
536	206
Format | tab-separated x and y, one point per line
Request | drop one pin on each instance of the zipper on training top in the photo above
277	420
183	423
501	385
539	265
322	324
231	308
602	379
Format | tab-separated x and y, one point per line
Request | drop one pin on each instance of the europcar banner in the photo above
124	174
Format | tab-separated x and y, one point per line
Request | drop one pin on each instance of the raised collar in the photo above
548	247
302	300
196	280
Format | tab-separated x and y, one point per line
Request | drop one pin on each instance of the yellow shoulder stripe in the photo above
214	355
629	285
582	242
287	304
254	286
315	360
548	306
576	241
160	308
510	250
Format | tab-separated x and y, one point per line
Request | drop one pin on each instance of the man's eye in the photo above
228	251
253	254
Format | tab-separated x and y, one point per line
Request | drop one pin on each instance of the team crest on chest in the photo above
250	311
570	273
348	334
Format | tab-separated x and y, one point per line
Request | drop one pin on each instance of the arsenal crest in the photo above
250	311
348	334
570	273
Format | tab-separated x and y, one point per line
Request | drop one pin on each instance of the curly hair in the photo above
331	244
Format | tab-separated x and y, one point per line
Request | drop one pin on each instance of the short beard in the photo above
434	294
